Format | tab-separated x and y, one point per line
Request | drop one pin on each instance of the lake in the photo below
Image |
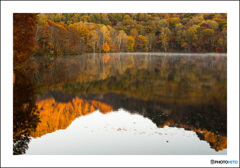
122	104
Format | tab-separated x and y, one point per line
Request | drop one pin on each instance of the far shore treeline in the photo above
62	34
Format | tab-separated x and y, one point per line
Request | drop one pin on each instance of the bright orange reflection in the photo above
217	142
57	115
106	58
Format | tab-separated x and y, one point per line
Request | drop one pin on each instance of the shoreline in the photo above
135	53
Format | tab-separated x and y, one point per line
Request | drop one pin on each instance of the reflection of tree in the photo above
208	116
57	111
25	114
207	120
105	58
185	89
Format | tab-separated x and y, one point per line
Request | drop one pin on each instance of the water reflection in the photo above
25	114
119	132
185	91
57	115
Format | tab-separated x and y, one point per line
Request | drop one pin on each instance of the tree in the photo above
59	37
105	34
122	41
130	43
179	37
121	31
140	29
127	20
212	24
25	112
164	38
153	26
105	19
141	17
208	32
178	27
173	21
133	32
93	39
24	25
141	43
151	40
106	47
118	16
162	24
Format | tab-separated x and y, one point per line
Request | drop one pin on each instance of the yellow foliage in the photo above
130	43
184	44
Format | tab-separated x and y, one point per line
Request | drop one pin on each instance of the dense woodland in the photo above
76	33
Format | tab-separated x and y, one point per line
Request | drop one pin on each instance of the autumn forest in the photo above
65	34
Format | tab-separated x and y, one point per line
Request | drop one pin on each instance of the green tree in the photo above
134	32
127	20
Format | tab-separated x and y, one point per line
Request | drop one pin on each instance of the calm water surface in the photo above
122	103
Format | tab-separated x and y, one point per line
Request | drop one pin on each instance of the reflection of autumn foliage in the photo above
189	91
23	36
171	79
25	114
73	62
209	125
105	58
217	142
104	108
58	115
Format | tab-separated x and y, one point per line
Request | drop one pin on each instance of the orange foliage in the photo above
106	47
219	49
104	108
84	32
106	58
73	62
59	51
166	16
141	16
73	46
57	115
58	25
217	142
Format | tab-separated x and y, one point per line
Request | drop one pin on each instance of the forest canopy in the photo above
76	33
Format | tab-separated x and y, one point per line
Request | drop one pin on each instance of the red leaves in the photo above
219	49
23	36
73	46
173	38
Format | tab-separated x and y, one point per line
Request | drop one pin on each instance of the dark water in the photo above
141	103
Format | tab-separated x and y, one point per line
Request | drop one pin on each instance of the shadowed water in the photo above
175	103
